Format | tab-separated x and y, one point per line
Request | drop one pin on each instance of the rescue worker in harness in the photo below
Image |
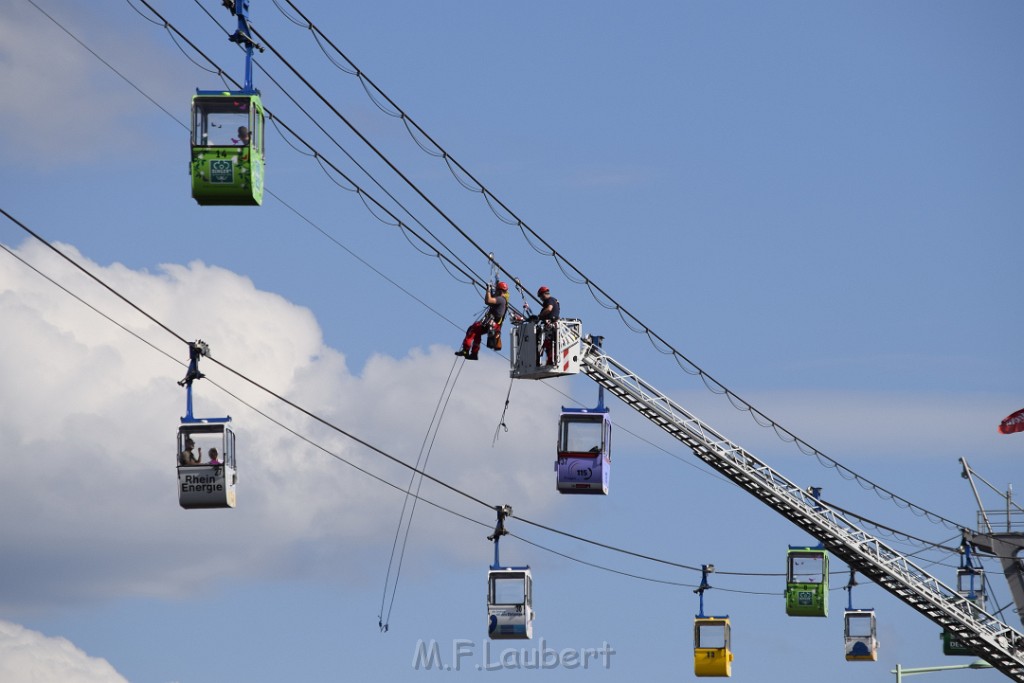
547	325
496	299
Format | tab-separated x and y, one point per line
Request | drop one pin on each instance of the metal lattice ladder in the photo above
991	639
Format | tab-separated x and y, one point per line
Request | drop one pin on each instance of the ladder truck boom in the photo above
988	637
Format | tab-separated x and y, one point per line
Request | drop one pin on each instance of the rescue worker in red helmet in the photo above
550	310
496	299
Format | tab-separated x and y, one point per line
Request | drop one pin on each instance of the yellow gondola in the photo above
712	653
712	637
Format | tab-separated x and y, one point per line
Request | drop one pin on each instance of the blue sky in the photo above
817	204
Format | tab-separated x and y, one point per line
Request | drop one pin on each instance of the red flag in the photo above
1013	423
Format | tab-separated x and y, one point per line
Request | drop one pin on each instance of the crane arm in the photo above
991	639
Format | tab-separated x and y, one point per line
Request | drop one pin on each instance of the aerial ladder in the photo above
987	636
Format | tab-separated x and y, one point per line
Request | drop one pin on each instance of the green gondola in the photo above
227	148
227	134
807	581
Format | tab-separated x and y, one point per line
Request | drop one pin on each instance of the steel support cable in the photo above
350	157
230	370
560	259
433	205
996	642
416	495
94	54
897	532
330	425
645	578
411	295
366	172
241	375
288	206
363	193
167	25
170	27
483	252
91	276
408	492
632	553
213	382
298	435
302	216
299	409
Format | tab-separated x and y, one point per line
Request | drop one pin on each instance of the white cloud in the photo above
91	415
27	655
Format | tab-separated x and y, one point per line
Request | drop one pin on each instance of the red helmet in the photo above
502	286
542	291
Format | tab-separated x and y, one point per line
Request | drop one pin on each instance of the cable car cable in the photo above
715	386
306	412
337	144
470	276
105	62
329	236
288	206
834	464
783	433
881	526
355	130
221	387
369	144
172	333
93	277
637	576
238	374
343	432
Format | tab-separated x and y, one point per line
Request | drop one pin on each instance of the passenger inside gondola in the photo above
218	121
187	456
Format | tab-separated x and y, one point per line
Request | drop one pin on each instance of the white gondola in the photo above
207	485
541	350
509	603
859	629
206	449
509	591
860	632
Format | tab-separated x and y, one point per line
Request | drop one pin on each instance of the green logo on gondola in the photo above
221	171
805	598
